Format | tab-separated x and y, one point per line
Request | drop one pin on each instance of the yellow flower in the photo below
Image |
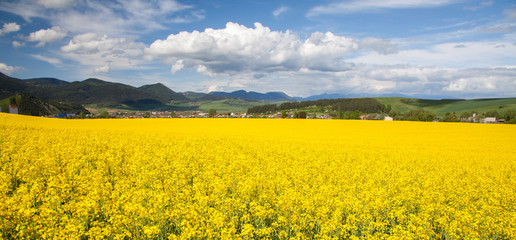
255	178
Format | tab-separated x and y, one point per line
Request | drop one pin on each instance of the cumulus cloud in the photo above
279	11
258	59
4	68
351	6
44	36
177	66
105	17
495	81
237	48
104	53
9	27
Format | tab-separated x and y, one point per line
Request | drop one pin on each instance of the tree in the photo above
172	114
212	112
302	115
394	113
450	117
492	114
388	108
352	115
419	115
509	115
464	116
104	114
82	115
283	114
12	101
30	105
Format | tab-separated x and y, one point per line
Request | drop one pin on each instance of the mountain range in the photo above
108	94
44	96
104	93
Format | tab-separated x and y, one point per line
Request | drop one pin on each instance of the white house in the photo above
489	120
13	109
387	118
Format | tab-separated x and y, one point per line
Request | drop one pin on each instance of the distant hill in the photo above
385	104
269	96
46	82
96	91
442	106
163	92
196	97
89	91
10	86
323	96
103	94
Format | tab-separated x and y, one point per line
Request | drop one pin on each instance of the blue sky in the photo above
451	48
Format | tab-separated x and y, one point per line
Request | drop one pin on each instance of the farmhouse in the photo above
13	109
489	120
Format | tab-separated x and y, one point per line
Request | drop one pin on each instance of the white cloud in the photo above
17	44
259	59
103	69
448	55
44	36
106	17
237	48
177	66
495	81
511	13
56	3
4	68
104	53
53	61
367	80
9	27
351	6
279	11
380	46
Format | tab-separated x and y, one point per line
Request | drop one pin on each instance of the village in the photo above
474	118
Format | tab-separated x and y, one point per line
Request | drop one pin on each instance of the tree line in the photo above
30	105
368	105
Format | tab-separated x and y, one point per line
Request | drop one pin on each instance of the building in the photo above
387	118
13	109
489	120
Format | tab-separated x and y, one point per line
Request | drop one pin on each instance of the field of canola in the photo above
255	179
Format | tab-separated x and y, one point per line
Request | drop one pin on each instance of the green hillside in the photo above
229	105
30	105
164	93
441	107
224	105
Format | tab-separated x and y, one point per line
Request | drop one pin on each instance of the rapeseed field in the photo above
255	179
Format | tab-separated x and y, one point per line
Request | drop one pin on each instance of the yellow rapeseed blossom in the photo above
255	179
